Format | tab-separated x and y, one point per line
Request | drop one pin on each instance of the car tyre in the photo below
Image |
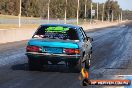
76	66
54	62
34	64
87	62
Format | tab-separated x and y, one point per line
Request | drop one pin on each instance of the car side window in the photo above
84	34
81	34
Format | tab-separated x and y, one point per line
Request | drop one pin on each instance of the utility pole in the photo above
65	11
109	15
121	16
97	11
85	9
48	10
112	15
77	12
91	12
20	14
103	14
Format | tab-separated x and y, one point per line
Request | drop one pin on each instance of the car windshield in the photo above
56	32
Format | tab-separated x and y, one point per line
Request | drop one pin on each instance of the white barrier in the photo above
13	35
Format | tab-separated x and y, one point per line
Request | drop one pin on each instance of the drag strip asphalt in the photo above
112	48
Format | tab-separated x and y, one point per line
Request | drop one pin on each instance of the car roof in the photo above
63	25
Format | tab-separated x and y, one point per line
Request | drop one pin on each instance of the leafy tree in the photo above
3	6
127	14
39	8
112	6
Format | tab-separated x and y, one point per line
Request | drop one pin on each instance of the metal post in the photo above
97	10
77	12
121	16
85	9
65	11
112	15
20	14
48	10
109	15
103	14
91	12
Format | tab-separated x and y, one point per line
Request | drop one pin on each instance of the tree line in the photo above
39	8
127	14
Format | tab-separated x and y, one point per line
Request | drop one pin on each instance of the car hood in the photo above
54	43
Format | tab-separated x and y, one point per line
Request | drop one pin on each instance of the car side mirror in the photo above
89	39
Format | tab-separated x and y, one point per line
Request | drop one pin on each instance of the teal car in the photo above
53	43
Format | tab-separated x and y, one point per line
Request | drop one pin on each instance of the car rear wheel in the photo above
34	64
54	62
88	62
76	66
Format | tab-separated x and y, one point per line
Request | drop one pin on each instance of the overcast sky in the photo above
124	4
